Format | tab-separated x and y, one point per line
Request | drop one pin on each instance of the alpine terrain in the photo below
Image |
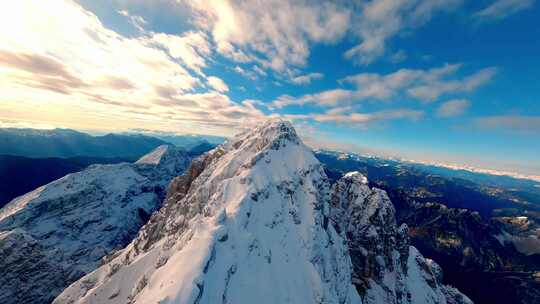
256	220
55	234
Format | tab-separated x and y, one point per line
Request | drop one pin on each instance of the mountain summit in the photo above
253	221
251	227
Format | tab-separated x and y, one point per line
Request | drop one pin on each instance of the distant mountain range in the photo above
66	143
189	141
69	143
30	158
485	193
482	229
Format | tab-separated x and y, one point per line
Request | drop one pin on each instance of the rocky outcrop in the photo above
474	252
55	234
386	268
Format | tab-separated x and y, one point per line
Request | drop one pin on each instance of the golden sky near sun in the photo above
59	65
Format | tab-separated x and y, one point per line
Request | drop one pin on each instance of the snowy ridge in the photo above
252	228
154	157
68	225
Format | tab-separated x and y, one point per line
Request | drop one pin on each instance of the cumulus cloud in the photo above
58	54
501	9
306	79
432	89
325	98
378	21
398	56
516	123
423	85
246	73
278	34
137	21
453	108
190	48
365	118
350	118
275	34
218	84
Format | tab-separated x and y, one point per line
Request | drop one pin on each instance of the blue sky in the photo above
443	81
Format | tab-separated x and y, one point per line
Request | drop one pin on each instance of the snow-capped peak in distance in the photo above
355	175
55	234
253	221
154	157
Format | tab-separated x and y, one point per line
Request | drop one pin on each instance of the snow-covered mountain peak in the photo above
247	223
156	156
167	159
352	194
272	134
256	221
356	176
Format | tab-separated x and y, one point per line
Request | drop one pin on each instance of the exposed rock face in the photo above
386	268
473	253
457	234
55	234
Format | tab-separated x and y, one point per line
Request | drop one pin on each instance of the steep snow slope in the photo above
55	234
247	224
386	268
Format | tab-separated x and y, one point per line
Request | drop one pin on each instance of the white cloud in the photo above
137	21
327	98
191	48
306	79
453	108
424	85
218	84
501	9
398	56
60	65
278	34
365	118
378	21
516	123
248	74
259	71
346	116
275	33
432	89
